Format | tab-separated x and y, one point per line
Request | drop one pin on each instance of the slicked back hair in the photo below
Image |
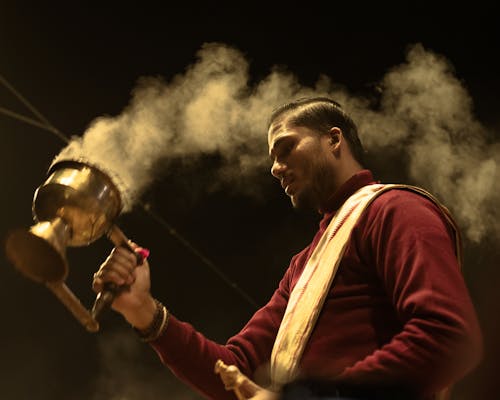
320	114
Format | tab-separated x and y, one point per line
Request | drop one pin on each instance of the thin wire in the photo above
46	125
33	122
38	114
207	262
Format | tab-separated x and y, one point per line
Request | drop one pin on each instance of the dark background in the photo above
75	63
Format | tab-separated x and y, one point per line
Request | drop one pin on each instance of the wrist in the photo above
157	325
141	316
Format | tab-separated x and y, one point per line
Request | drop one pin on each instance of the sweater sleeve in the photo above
411	245
191	356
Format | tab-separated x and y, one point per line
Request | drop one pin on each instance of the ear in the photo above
335	138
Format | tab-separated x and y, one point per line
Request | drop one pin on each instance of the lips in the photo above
285	182
286	185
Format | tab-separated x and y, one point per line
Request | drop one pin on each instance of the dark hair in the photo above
321	114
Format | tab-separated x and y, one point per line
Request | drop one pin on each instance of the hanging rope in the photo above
44	123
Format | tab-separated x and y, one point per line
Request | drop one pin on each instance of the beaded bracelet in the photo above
157	326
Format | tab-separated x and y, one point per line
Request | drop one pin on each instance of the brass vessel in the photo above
75	206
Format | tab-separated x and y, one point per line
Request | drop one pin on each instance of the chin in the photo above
300	202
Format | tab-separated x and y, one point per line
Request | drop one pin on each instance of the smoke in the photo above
208	109
424	111
142	378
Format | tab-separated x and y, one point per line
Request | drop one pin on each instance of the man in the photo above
390	312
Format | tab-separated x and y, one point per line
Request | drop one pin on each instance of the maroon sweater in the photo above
398	312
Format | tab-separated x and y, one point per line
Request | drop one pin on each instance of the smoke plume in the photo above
208	109
426	113
141	379
211	108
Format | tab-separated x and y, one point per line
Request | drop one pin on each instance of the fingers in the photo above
117	268
141	252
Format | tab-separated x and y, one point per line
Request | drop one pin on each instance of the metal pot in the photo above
75	206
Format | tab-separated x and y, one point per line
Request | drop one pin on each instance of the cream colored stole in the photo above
308	295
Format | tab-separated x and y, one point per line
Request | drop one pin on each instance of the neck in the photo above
342	175
346	173
344	170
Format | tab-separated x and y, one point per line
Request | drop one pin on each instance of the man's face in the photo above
303	163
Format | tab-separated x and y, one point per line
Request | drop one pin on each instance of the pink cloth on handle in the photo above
144	253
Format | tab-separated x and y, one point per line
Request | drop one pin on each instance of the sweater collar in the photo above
349	187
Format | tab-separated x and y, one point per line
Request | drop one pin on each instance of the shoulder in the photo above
405	199
408	206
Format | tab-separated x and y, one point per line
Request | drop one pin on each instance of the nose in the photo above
277	169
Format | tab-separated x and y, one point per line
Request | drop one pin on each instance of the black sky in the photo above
77	62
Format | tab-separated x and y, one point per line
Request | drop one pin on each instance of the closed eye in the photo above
282	147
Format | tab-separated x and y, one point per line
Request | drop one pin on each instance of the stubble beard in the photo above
316	193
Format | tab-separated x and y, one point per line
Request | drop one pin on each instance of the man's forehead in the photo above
276	129
283	132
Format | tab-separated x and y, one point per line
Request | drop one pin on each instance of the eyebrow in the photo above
277	143
275	128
